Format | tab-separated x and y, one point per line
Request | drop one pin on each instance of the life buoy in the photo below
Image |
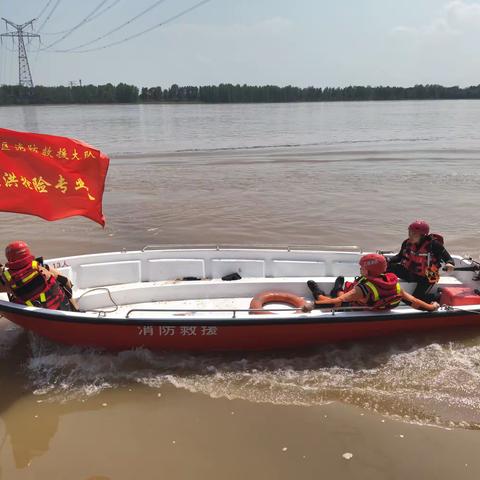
258	301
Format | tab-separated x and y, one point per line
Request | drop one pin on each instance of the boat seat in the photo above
171	290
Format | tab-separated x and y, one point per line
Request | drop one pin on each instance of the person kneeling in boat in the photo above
29	282
374	289
420	259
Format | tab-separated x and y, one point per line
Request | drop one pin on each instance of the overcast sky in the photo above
301	42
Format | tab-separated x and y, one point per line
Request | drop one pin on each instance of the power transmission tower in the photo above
24	74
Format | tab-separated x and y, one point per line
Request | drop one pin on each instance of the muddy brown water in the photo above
306	174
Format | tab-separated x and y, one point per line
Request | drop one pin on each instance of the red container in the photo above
459	296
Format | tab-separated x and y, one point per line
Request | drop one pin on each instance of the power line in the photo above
43	9
11	69
49	15
6	48
8	62
106	9
3	72
136	35
77	26
116	29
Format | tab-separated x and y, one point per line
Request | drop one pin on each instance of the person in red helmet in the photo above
374	289
420	259
28	282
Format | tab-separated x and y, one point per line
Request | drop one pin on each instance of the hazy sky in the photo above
301	42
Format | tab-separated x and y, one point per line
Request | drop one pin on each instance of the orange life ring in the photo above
258	301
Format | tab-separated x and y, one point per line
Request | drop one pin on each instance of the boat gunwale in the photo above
261	320
316	317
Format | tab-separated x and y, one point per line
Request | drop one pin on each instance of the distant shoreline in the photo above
185	103
224	93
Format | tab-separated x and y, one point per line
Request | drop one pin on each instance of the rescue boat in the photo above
207	299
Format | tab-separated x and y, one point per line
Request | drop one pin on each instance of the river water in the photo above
286	174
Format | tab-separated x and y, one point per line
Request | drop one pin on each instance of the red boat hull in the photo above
232	335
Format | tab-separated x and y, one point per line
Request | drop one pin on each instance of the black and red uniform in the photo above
28	286
418	262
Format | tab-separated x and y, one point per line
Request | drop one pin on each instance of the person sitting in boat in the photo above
29	282
375	289
420	259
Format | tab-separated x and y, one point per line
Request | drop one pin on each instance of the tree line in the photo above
224	93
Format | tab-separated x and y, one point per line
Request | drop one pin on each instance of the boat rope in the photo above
103	289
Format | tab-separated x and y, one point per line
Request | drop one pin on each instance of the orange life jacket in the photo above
381	293
29	287
419	258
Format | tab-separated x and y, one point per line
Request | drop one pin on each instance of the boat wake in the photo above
428	383
232	147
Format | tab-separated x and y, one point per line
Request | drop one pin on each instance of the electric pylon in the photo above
24	74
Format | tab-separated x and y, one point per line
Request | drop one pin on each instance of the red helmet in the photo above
420	226
374	263
18	253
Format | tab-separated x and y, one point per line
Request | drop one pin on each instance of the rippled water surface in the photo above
309	174
428	381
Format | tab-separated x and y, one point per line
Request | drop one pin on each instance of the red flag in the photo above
51	177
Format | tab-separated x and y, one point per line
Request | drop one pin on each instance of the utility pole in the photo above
24	74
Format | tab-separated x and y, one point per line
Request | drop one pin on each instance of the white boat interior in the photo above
158	282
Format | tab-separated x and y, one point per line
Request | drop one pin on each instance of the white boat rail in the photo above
234	311
287	248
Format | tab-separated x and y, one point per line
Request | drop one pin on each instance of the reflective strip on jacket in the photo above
29	287
381	293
